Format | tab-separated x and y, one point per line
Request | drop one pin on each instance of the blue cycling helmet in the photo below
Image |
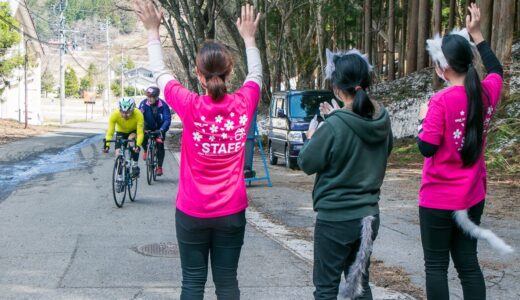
126	104
153	92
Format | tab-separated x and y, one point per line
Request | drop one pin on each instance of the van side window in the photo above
279	105
274	107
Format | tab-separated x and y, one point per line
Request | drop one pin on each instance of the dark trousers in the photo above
134	155
160	149
441	236
221	239
335	247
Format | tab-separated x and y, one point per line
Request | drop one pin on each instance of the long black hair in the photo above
459	56
352	76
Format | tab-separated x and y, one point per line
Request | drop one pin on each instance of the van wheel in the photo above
273	160
289	162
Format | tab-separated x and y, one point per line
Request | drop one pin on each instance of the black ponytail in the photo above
459	55
473	139
352	76
362	104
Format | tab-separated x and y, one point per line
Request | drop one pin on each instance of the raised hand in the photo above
326	108
473	23
149	15
247	24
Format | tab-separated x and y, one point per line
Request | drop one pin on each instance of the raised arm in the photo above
247	25
151	17
489	58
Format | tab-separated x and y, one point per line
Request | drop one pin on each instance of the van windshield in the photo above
306	106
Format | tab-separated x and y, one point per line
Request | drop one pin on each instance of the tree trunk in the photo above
404	9
517	28
321	49
486	18
437	15
411	56
505	40
422	34
496	24
368	29
262	43
437	28
453	15
391	36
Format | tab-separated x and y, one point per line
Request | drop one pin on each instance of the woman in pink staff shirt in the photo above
211	198
453	138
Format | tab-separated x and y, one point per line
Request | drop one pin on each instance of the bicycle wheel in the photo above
132	187
119	182
154	160
149	164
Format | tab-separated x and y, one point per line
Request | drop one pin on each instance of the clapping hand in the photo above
326	108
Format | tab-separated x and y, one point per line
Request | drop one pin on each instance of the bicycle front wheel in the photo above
154	160
119	182
132	188
149	164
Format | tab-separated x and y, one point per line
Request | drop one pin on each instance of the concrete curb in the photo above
301	248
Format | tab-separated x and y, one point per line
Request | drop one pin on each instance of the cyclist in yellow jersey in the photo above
128	123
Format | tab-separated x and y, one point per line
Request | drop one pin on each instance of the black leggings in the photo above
441	236
222	239
160	149
121	135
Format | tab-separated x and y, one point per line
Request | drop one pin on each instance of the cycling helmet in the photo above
126	104
153	91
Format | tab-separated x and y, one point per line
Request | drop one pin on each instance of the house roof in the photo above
20	11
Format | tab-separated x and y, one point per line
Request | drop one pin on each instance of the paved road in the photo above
398	244
63	238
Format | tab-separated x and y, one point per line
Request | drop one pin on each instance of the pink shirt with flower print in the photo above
211	180
446	183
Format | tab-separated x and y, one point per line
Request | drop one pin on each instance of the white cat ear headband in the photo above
331	66
434	47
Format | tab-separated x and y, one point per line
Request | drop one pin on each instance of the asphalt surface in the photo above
62	236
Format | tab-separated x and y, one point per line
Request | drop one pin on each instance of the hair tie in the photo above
357	88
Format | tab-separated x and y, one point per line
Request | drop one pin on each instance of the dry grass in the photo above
393	278
11	131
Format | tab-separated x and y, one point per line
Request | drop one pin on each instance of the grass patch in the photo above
405	154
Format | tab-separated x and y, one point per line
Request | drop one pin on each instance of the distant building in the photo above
12	101
139	78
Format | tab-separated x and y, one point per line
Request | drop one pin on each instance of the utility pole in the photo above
122	73
109	70
62	6
26	85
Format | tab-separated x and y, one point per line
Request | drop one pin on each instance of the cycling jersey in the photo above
134	123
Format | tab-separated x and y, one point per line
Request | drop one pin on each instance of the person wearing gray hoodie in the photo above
348	152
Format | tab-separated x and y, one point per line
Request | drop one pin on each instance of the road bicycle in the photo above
122	179
151	155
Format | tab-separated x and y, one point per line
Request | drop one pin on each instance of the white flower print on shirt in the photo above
213	128
229	125
211	138
219	119
224	135
203	118
197	136
232	114
461	112
240	134
457	134
243	120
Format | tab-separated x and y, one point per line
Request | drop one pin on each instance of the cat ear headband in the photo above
331	57
434	47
